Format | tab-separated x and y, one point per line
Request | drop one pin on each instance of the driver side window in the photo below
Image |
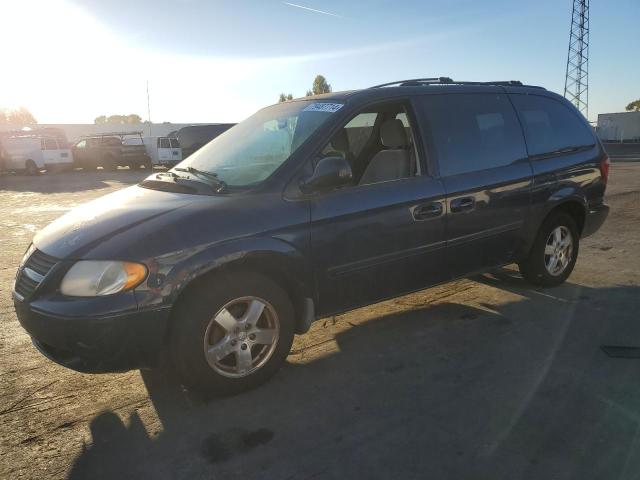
379	145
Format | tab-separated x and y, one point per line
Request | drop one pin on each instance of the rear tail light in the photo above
604	167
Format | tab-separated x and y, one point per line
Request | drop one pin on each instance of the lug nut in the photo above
244	346
252	336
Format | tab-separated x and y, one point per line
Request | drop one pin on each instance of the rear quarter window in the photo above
550	126
473	132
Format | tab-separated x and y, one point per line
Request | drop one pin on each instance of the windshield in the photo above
252	150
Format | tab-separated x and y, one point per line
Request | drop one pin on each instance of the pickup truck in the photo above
109	151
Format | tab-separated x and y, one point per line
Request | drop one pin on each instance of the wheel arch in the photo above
273	258
567	200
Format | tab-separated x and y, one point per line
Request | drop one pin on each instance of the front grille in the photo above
25	286
41	264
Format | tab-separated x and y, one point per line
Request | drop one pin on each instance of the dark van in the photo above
194	137
307	209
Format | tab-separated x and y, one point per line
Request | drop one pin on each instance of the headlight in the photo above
91	278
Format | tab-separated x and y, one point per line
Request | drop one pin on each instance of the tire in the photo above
109	163
539	267
31	168
197	327
145	164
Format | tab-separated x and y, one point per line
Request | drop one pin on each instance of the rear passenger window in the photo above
164	143
549	125
473	132
174	143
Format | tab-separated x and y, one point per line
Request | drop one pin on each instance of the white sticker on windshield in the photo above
323	107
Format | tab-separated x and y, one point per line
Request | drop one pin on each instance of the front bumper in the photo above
594	219
113	343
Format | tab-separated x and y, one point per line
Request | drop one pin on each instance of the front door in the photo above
486	175
384	235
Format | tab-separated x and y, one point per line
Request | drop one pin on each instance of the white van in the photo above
163	151
56	153
32	153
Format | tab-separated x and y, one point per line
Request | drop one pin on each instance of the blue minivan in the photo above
310	208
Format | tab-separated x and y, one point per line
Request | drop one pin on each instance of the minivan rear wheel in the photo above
554	252
231	333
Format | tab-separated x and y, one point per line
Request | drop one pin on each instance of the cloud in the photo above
313	10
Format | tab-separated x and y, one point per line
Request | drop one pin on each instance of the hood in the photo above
81	230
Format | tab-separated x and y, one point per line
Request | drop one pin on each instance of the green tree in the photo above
133	118
634	106
116	119
320	85
285	97
19	117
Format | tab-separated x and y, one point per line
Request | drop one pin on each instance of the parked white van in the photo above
31	154
163	151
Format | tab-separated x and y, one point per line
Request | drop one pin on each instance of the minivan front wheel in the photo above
554	252
232	333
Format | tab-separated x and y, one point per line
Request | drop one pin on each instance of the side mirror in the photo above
330	172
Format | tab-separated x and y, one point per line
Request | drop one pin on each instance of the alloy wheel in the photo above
558	250
241	337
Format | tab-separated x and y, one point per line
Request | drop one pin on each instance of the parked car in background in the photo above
109	151
195	137
307	209
163	151
22	154
30	153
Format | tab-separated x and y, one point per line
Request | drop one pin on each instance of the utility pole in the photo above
148	108
576	83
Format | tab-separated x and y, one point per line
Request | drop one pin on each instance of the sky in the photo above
69	61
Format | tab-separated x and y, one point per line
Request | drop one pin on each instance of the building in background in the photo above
619	127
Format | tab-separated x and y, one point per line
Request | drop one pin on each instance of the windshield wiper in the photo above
220	185
168	174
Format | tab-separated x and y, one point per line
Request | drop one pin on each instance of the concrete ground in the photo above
484	378
623	152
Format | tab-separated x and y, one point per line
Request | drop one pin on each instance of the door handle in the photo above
463	204
426	210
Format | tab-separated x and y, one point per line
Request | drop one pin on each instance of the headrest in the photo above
392	134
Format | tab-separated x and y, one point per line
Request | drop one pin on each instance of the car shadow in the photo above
444	390
70	181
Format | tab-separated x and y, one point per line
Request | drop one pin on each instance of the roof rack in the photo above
113	134
416	82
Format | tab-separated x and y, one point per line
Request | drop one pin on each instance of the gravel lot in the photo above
480	378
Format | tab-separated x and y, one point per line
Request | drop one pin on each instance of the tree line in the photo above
320	85
20	117
131	119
